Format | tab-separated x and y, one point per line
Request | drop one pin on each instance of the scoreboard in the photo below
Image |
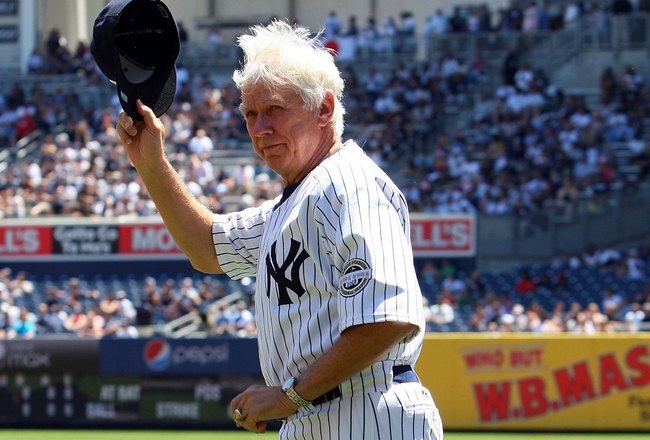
143	382
120	400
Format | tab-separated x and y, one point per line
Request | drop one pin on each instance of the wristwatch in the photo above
287	388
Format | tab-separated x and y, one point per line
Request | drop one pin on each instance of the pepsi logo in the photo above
157	354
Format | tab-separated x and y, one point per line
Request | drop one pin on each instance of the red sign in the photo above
25	240
146	239
443	236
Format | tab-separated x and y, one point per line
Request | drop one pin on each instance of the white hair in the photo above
282	55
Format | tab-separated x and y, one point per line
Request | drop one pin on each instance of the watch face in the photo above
288	383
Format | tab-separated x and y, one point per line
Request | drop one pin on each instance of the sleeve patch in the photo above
356	274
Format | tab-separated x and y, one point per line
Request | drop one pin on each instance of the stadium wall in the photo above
25	24
196	14
481	382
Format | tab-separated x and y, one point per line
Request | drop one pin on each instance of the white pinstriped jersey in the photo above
333	253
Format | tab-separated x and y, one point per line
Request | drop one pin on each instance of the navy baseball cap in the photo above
135	44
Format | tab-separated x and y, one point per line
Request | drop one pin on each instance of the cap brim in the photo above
156	93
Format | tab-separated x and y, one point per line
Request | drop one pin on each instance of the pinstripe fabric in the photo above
405	412
334	253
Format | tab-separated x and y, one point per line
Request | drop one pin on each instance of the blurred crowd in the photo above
524	149
519	16
545	300
528	148
401	34
83	171
553	298
96	308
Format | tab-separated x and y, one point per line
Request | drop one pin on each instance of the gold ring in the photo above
238	416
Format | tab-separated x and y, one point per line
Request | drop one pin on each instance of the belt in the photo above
401	374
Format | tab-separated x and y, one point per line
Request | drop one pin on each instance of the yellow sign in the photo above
561	382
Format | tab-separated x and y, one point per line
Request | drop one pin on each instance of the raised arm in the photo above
188	221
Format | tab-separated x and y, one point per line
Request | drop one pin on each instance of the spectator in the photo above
55	43
611	301
95	323
77	321
352	28
634	318
5	323
448	269
243	321
635	265
552	325
200	143
478	322
183	34
25	325
55	319
36	63
506	323
526	283
124	330
510	66
388	30
571	14
521	320
453	284
408	24
26	123
608	86
332	26
214	37
457	22
531	18
436	24
442	312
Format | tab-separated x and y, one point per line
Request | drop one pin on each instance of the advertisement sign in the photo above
8	33
25	240
537	382
84	239
146	239
8	8
49	356
443	235
182	357
87	240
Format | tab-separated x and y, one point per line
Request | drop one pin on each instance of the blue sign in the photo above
9	33
160	356
8	8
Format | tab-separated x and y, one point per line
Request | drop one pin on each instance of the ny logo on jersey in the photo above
279	273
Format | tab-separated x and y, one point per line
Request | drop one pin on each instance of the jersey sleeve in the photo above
237	237
367	228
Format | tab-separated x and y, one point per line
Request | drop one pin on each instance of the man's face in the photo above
285	134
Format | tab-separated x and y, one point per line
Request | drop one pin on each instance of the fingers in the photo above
260	427
126	128
150	118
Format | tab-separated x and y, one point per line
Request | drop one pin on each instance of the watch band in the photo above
295	397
